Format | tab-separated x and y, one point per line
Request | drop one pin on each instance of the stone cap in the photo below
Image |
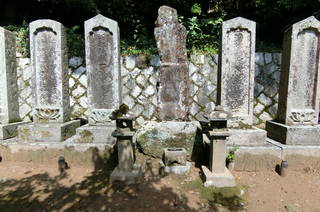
124	133
219	133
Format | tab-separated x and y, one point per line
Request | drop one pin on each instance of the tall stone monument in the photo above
236	80
104	81
9	105
173	91
51	112
297	120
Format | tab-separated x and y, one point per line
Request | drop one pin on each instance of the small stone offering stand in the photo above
217	174
127	170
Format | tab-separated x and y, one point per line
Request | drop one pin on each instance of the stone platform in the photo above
12	150
247	137
294	135
95	134
10	130
47	132
225	179
129	177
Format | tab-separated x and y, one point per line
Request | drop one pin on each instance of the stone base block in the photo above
293	135
95	134
47	132
129	177
219	180
178	169
10	130
247	137
154	136
96	155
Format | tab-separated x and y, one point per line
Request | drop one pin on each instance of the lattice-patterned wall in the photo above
139	81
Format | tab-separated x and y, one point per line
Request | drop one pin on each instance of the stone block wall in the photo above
139	86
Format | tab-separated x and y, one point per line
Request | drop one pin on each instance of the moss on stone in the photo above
86	136
244	125
24	133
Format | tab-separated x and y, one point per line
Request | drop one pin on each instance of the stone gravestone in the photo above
173	91
236	80
9	105
104	81
298	107
51	112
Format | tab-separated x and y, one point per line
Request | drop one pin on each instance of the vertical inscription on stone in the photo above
49	58
101	75
47	76
236	69
237	87
299	83
173	92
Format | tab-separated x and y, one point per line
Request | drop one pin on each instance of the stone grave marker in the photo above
173	90
298	107
51	112
104	80
236	80
9	106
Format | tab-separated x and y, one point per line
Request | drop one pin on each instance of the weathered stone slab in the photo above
10	130
95	134
153	137
47	132
247	137
295	134
103	68
173	95
236	69
218	179
9	106
299	80
49	61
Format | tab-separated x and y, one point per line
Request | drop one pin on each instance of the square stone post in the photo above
127	170
298	108
218	175
104	81
236	80
51	112
9	104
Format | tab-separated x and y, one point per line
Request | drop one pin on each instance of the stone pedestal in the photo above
218	175
47	132
295	134
95	134
297	120
247	137
127	170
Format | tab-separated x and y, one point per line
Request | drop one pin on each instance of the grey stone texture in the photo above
102	44
247	137
173	89
139	89
236	70
179	169
175	156
9	107
95	134
47	132
49	59
220	179
154	136
299	82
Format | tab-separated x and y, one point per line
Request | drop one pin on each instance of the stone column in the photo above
9	105
236	80
218	175
104	80
51	112
173	91
298	107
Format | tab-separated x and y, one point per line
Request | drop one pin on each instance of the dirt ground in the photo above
40	187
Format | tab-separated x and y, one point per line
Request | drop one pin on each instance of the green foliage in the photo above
231	153
203	31
22	40
75	42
